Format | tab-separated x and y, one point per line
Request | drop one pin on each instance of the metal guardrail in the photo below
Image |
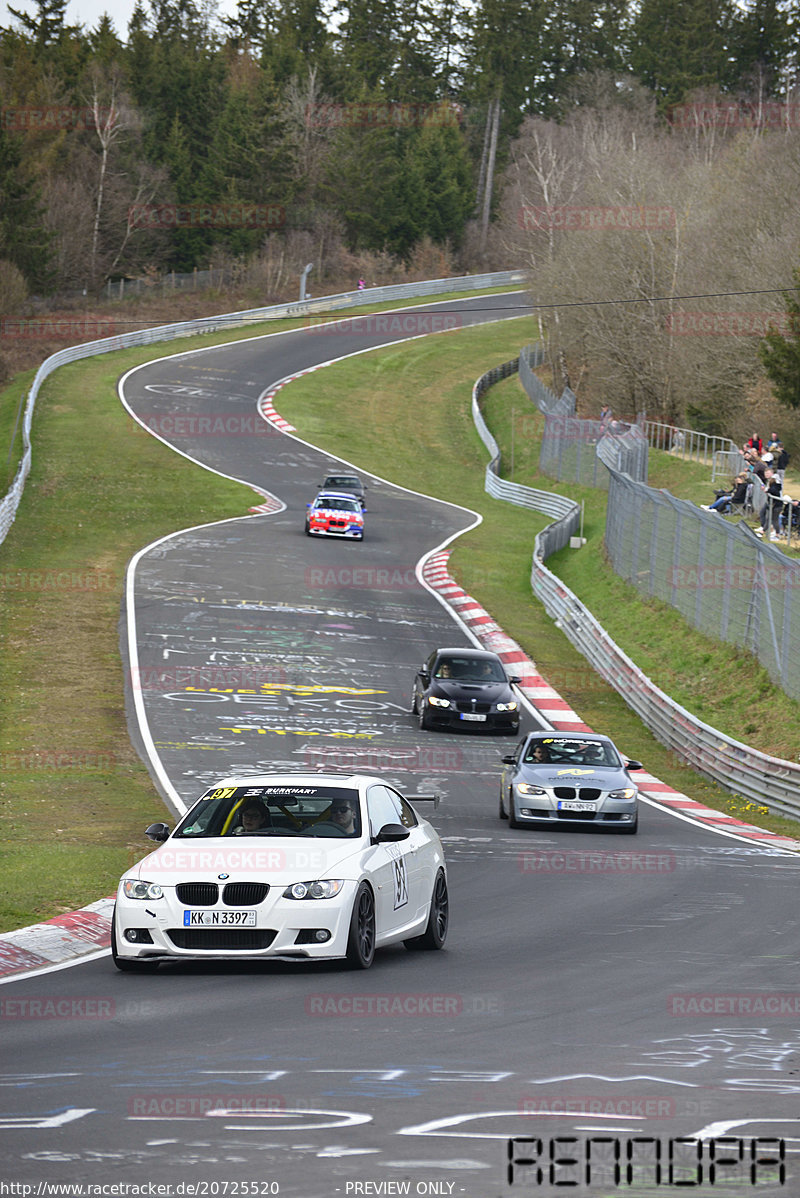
756	776
211	324
686	443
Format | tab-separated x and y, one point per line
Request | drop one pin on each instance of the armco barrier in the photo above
349	299
770	781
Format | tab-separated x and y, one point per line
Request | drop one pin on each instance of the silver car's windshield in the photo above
273	810
570	751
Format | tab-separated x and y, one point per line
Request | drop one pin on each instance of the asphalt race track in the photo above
622	991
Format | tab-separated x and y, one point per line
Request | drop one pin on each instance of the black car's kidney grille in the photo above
472	705
222	939
197	894
244	894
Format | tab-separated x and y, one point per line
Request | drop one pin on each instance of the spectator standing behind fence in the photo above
781	460
772	442
755	443
773	506
754	464
605	415
678	440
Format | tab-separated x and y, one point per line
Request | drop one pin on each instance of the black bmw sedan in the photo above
465	688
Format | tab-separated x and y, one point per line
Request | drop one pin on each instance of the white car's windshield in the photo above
273	810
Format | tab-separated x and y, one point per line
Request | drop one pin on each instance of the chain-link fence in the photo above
731	763
718	575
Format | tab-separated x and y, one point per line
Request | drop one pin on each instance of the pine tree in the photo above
446	197
761	46
679	46
780	353
23	237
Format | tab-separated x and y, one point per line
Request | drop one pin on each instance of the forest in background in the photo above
619	151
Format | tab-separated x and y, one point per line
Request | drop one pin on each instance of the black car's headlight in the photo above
326	889
506	707
527	788
435	701
134	889
625	792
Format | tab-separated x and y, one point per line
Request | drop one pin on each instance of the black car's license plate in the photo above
239	919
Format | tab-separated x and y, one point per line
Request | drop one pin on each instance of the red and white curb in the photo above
557	711
65	938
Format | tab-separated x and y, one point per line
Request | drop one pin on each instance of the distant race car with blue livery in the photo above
335	515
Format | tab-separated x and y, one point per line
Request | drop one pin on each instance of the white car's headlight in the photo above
326	889
527	788
134	889
437	702
627	792
506	707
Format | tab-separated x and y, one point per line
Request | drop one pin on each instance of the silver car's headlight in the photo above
626	792
134	889
326	889
437	702
527	788
506	707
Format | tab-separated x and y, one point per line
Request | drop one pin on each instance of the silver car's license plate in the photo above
472	715
569	805
239	919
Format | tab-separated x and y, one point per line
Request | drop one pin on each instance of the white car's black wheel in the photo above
127	964
513	822
435	932
502	812
361	941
